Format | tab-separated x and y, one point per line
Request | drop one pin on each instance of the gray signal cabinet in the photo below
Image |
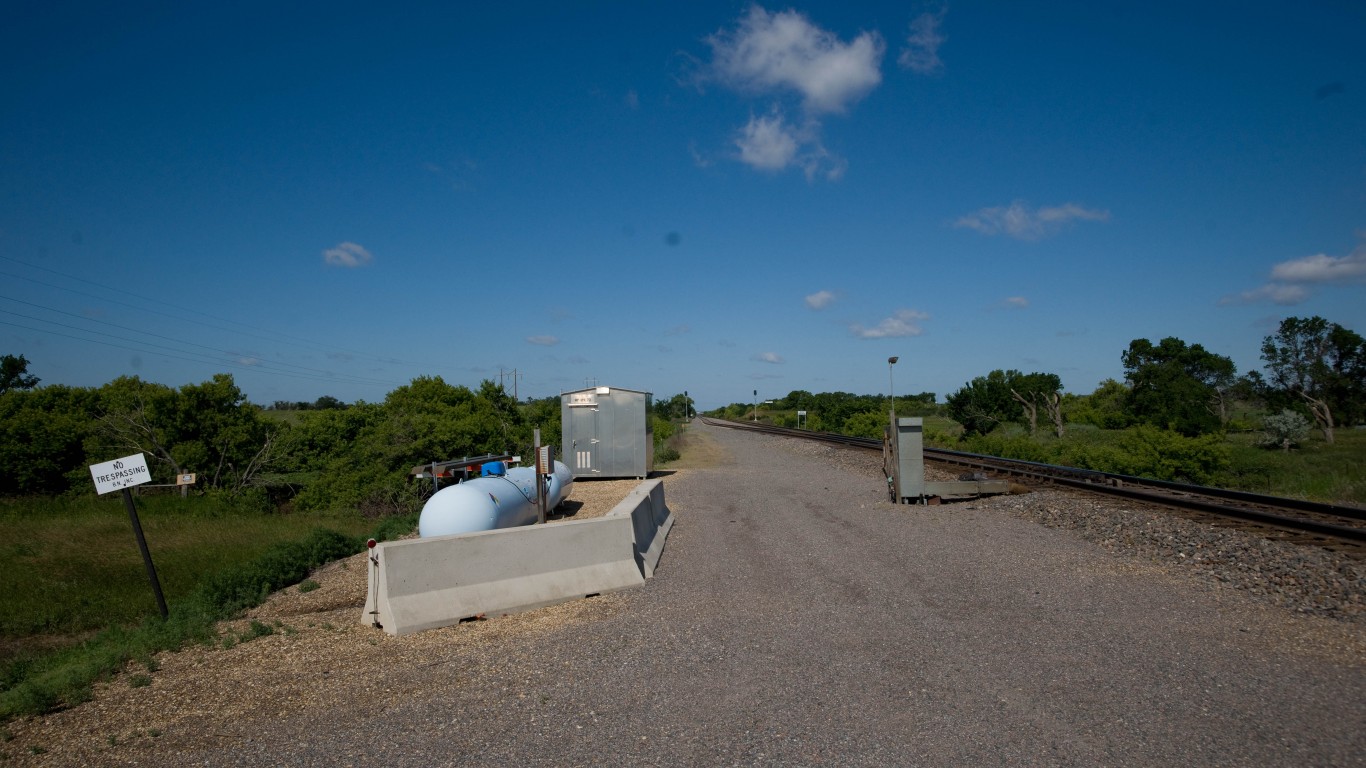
606	432
903	458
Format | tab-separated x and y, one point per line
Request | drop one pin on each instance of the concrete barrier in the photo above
650	522
420	584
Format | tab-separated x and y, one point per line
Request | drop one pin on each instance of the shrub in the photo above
1166	455
1283	430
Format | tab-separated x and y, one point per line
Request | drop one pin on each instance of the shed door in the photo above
585	431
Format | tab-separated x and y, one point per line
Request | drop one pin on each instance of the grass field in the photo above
73	565
1316	470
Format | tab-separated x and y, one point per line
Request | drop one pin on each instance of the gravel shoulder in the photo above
797	618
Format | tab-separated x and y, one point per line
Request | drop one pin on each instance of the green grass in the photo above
33	682
1333	473
1316	470
73	566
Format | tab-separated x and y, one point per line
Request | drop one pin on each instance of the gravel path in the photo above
797	618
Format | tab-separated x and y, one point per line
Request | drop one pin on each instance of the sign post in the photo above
185	481
120	475
539	474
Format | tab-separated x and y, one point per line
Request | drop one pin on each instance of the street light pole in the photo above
891	361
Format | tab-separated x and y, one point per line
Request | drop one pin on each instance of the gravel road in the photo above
797	618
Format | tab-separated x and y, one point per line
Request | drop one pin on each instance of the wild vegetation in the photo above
270	485
1182	413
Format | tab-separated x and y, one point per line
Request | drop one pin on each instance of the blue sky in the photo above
717	197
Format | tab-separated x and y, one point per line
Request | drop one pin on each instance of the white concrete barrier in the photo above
420	584
650	522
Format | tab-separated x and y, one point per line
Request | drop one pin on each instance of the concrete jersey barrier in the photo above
419	584
650	522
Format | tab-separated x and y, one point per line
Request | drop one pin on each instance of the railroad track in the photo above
1332	525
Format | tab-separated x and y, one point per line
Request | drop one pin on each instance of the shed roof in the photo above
614	389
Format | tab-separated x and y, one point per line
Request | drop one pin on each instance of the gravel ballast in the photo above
798	618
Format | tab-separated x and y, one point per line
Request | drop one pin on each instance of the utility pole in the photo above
504	374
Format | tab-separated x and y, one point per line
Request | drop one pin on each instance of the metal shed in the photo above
607	432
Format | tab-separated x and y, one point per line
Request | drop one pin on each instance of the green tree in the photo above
1321	363
1107	407
209	429
1038	390
367	451
676	408
544	414
14	374
42	439
985	402
1176	386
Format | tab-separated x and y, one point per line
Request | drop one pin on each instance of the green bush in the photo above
1142	451
1166	455
1020	447
1283	430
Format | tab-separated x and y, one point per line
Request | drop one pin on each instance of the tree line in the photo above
1315	370
1313	367
328	456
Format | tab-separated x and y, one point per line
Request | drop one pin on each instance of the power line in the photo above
230	353
275	336
200	359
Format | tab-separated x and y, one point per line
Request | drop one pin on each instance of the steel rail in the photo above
1219	501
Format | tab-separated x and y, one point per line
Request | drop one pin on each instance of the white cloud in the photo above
347	255
784	51
768	357
1288	278
1019	221
775	54
1016	302
1276	293
903	322
543	341
921	53
767	143
772	144
1322	268
698	159
820	300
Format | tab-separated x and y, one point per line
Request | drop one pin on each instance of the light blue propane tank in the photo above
487	503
